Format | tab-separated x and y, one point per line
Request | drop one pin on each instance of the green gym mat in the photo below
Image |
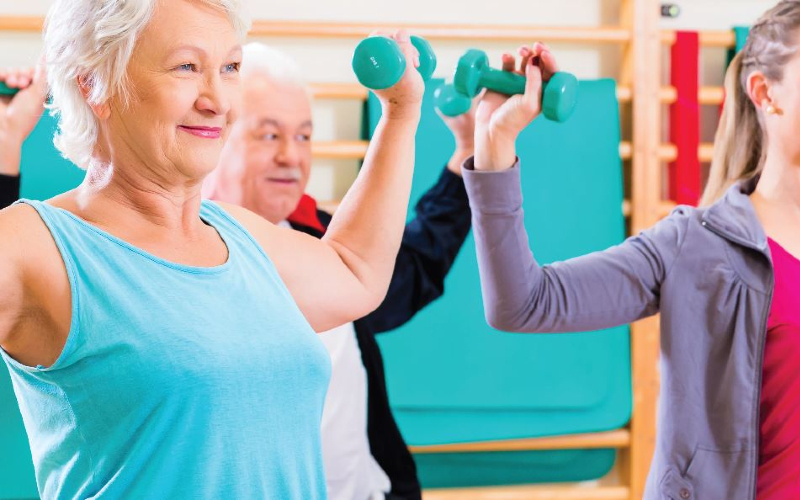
460	470
44	172
44	175
741	33
16	467
451	377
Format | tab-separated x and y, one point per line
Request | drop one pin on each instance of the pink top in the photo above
779	454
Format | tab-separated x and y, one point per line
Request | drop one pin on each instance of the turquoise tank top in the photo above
175	382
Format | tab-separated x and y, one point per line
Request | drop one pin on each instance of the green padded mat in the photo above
44	174
16	467
454	379
741	33
460	470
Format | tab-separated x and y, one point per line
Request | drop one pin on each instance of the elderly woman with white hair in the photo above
161	346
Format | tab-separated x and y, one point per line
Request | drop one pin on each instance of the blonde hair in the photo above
93	40
741	140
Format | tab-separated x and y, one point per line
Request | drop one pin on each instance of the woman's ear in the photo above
101	111
760	91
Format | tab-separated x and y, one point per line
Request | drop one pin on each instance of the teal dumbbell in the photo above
379	63
451	102
473	74
6	90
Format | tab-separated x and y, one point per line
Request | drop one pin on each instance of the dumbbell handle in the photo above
6	90
559	93
506	82
503	82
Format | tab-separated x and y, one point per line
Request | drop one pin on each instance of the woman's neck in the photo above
780	180
777	200
132	195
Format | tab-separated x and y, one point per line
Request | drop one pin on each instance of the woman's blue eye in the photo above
232	67
186	67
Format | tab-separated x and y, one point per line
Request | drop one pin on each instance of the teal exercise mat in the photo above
16	466
740	33
45	173
460	470
451	377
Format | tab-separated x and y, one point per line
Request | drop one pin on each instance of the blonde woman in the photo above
725	277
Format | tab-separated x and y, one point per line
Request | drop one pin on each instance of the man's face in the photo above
273	139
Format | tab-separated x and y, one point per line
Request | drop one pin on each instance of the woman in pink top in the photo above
724	276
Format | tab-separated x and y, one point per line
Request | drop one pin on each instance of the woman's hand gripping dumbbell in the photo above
473	74
500	117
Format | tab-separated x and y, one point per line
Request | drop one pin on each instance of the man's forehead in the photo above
269	120
275	103
266	86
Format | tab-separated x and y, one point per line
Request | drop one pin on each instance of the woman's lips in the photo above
204	132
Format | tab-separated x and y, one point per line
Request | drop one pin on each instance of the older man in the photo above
269	154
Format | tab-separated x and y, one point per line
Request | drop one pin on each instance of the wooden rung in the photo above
706	152
340	150
665	207
21	23
667	95
619	438
355	150
538	492
330	206
706	95
467	32
721	38
668	152
625	150
338	91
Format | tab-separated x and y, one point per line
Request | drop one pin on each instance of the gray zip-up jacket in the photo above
707	271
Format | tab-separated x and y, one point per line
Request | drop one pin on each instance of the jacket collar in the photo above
735	218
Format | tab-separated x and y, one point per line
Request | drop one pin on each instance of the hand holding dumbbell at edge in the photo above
500	118
22	96
459	116
378	61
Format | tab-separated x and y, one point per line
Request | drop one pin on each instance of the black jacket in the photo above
9	190
430	244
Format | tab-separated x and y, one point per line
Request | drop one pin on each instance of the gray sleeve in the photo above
592	292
